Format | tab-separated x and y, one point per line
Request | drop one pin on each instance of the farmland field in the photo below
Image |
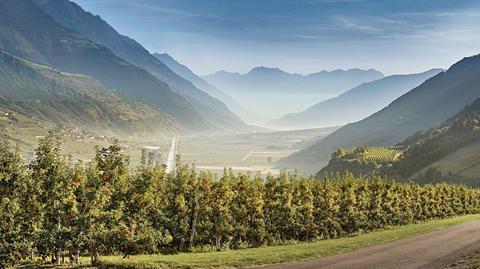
256	152
382	154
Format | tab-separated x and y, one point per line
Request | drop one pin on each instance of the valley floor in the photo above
434	244
253	152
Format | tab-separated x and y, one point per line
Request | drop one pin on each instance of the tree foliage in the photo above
52	207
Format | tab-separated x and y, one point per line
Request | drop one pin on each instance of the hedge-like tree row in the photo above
56	210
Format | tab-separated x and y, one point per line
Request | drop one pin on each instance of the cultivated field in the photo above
248	152
382	154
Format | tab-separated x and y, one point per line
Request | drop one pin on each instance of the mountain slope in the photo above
72	16
429	146
434	101
354	104
460	166
74	100
39	38
456	137
272	92
203	85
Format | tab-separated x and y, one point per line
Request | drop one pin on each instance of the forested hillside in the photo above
101	208
72	16
355	104
28	32
75	100
429	104
416	152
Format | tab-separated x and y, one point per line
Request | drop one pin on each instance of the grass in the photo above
470	262
278	254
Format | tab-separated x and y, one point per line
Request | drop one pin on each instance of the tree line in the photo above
55	209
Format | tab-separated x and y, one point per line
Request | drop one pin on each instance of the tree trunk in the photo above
54	257
57	255
217	242
194	223
94	256
74	255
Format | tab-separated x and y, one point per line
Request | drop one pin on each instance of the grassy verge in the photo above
470	262
278	254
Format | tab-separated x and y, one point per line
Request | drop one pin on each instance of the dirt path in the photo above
435	250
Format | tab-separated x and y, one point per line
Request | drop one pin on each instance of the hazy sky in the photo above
301	36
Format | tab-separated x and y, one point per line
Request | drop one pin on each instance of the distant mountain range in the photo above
354	104
203	85
75	100
271	92
427	105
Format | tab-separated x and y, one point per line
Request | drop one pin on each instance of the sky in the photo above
300	36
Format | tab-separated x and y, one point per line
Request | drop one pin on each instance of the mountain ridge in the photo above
286	92
354	104
199	82
74	17
429	104
66	50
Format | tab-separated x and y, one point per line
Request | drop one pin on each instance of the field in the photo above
382	154
256	152
278	254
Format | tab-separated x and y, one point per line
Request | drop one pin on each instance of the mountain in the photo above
272	92
354	104
74	100
419	156
73	17
274	79
427	147
28	32
429	104
203	85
